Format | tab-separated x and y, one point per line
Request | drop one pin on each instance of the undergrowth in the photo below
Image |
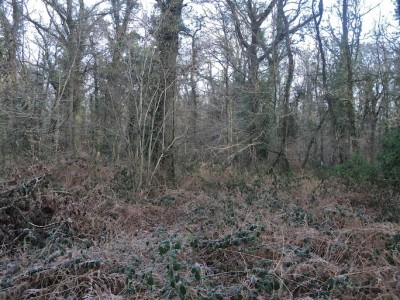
69	234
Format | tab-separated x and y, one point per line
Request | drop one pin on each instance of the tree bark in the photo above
167	37
282	159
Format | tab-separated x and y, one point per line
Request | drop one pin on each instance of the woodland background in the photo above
204	149
226	82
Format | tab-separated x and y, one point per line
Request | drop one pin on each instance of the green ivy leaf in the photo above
150	280
276	285
173	284
164	247
195	243
218	297
176	266
197	276
182	290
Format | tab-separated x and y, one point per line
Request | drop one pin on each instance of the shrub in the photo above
356	168
389	155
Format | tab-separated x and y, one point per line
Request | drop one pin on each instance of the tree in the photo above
120	40
284	24
346	131
11	24
167	39
69	25
255	16
249	19
338	81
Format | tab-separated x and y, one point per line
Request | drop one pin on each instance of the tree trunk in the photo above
347	129
167	37
282	159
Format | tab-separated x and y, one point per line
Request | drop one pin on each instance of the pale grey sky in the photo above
383	8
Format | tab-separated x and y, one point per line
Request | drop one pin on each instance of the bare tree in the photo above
69	25
249	18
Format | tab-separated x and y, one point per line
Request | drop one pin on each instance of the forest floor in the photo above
78	233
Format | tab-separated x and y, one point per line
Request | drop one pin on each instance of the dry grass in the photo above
241	236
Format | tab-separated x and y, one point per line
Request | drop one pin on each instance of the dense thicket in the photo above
250	83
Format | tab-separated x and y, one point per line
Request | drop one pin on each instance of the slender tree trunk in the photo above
9	69
282	159
193	87
347	130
